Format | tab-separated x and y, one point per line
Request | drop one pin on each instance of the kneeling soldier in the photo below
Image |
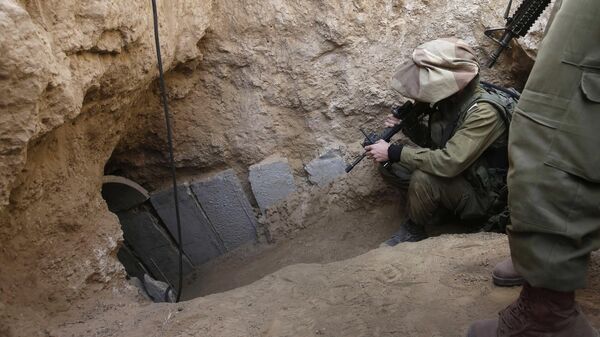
460	161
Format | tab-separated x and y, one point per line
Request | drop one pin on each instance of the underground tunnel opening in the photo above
234	236
224	240
216	219
148	253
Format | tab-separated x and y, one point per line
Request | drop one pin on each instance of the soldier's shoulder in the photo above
482	110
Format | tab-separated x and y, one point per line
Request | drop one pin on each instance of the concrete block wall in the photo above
271	181
151	245
200	241
216	216
227	208
325	169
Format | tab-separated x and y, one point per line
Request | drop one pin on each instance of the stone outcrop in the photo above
60	55
71	75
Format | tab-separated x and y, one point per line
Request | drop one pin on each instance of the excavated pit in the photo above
246	242
342	228
265	97
253	111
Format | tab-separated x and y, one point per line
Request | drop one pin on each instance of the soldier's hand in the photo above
391	121
378	151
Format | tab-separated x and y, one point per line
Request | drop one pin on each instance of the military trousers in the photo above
430	198
554	139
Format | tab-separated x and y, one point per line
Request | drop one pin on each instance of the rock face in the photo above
71	75
246	79
60	55
295	78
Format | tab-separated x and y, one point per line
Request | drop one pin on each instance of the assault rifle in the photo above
517	25
405	113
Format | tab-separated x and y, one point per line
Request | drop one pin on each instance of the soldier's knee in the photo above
420	180
423	186
422	197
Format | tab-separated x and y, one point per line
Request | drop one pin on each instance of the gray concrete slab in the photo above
325	169
271	181
121	193
152	245
200	242
227	208
133	266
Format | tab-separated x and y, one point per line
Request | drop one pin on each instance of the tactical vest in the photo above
488	173
504	101
445	119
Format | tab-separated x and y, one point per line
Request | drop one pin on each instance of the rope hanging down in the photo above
163	91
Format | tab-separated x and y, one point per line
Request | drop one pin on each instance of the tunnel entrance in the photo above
216	218
219	229
149	252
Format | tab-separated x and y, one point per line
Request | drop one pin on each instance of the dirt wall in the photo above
72	73
296	79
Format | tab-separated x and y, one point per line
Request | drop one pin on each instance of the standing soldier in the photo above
554	180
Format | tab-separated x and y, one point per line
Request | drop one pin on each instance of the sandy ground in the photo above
432	288
346	235
323	276
339	236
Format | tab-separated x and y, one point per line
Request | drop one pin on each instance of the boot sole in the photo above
507	282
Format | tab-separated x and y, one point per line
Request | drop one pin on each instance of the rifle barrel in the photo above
355	162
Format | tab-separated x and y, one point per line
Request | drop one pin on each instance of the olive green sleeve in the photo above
481	127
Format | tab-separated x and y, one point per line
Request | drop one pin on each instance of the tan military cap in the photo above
438	69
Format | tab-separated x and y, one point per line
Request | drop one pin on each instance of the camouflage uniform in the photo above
451	168
554	179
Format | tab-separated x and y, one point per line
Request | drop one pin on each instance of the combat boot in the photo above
538	312
409	232
505	275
